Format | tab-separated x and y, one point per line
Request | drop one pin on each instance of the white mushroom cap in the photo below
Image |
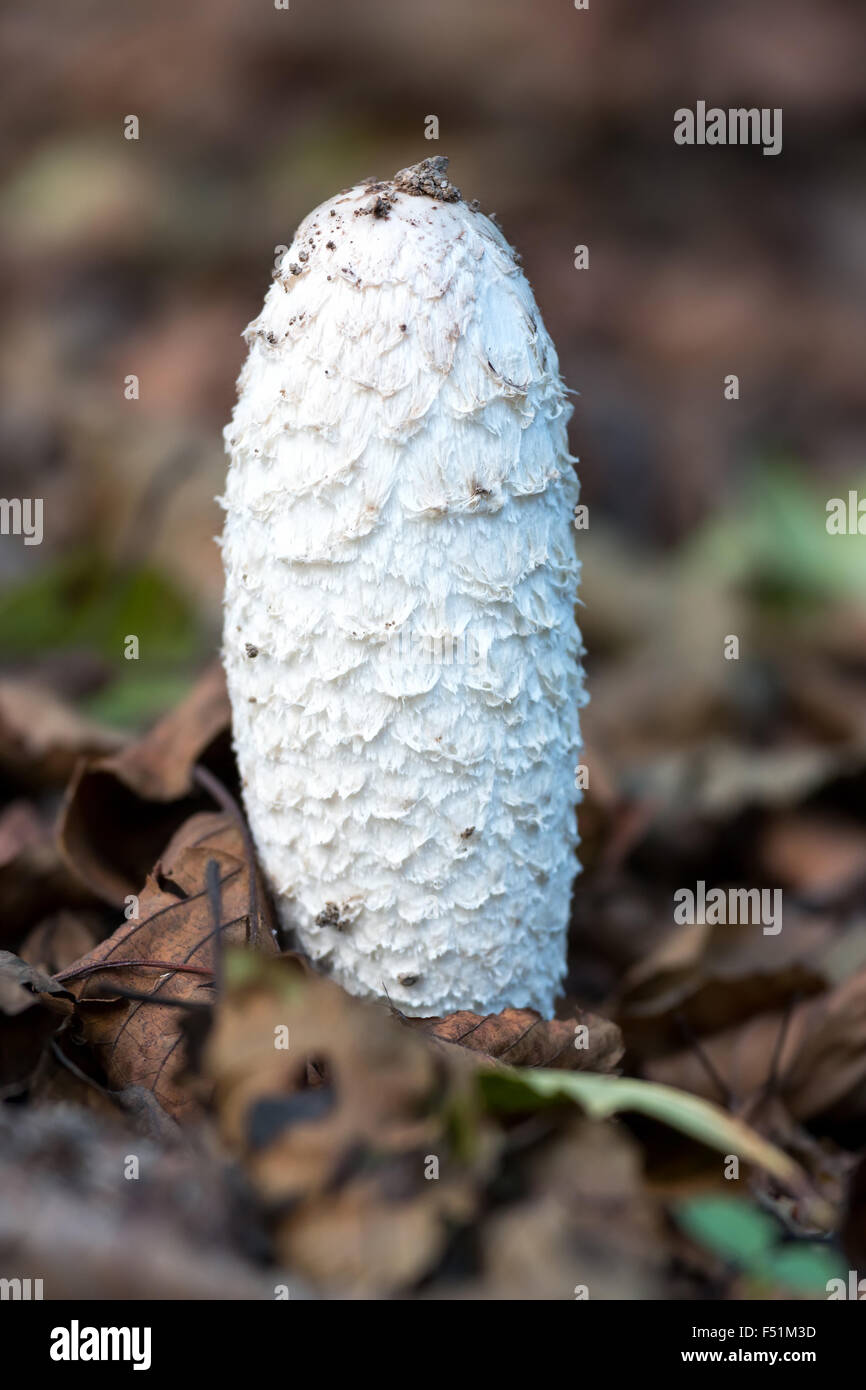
399	641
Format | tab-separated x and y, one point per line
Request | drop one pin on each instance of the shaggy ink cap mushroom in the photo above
400	645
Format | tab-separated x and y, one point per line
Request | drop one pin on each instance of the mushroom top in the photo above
392	299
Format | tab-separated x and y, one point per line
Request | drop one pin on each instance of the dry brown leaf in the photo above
822	856
34	879
20	826
32	1008
521	1038
816	1057
57	942
588	1222
120	811
702	978
718	777
138	1042
42	737
345	1163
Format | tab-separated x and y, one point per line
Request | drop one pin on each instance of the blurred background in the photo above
150	256
707	515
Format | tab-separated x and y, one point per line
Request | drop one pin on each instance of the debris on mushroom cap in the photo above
399	553
428	178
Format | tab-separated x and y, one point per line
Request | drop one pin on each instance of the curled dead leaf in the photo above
120	810
42	737
522	1038
134	988
58	941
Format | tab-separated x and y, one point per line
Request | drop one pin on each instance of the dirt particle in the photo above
467	833
427	179
333	915
250	650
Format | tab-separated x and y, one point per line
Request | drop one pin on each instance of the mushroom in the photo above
400	643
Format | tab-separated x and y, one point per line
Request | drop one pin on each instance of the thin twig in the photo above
77	971
154	996
223	797
214	893
694	1042
162	1000
774	1076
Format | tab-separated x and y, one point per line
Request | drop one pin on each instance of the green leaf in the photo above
776	542
804	1268
139	697
522	1088
741	1234
730	1227
82	602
